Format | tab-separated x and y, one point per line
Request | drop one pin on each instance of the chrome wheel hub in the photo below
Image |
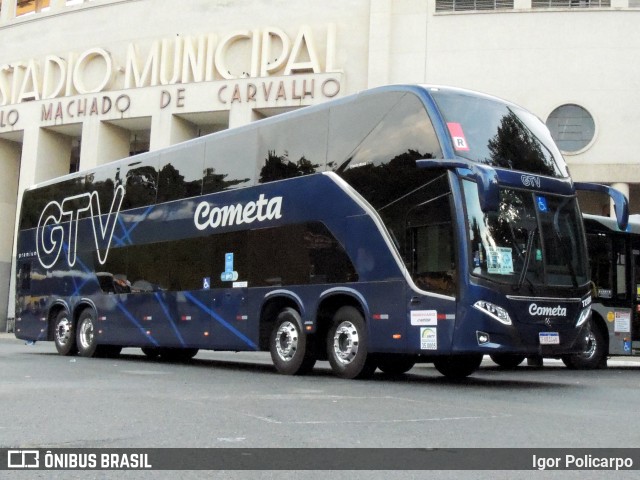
346	342
63	331
287	341
591	346
86	334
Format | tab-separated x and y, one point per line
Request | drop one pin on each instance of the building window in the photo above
470	5
572	127
26	7
570	3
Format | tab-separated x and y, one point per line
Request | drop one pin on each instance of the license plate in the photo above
549	338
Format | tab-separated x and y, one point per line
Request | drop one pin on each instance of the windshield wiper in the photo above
527	260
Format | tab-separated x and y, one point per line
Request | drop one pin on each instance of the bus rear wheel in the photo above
458	366
290	352
86	334
594	355
347	346
64	334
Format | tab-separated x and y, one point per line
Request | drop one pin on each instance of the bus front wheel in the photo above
64	334
458	366
288	345
594	355
506	360
347	347
395	365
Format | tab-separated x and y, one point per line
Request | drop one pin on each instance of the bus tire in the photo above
64	334
594	356
458	366
395	365
108	351
86	339
347	345
177	354
506	360
151	352
290	352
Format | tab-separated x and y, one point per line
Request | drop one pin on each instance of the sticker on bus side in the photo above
428	338
457	135
499	260
424	317
229	275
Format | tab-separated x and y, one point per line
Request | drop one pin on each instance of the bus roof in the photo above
417	89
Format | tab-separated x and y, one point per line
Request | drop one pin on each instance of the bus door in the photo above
619	310
635	294
29	309
434	270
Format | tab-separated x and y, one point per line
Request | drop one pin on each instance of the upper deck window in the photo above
499	134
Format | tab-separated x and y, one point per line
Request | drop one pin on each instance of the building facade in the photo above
87	82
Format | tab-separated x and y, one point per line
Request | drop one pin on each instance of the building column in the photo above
522	5
622	187
168	129
8	10
10	174
57	5
240	115
102	143
45	155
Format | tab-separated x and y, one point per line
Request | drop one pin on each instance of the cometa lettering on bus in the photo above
214	217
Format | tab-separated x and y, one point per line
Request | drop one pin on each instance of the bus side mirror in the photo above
485	176
620	202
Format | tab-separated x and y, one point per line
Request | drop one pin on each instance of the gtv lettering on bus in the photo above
536	310
262	209
58	225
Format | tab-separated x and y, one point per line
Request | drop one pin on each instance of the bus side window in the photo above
434	258
636	266
600	256
230	161
140	179
432	245
293	149
180	173
621	268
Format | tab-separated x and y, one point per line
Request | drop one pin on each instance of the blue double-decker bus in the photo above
399	225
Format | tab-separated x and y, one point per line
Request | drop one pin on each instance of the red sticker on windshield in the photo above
457	135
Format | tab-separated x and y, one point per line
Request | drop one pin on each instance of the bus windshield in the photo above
499	134
533	239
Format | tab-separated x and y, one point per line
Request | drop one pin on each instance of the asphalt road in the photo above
238	400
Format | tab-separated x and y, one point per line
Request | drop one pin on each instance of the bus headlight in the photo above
585	315
493	311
